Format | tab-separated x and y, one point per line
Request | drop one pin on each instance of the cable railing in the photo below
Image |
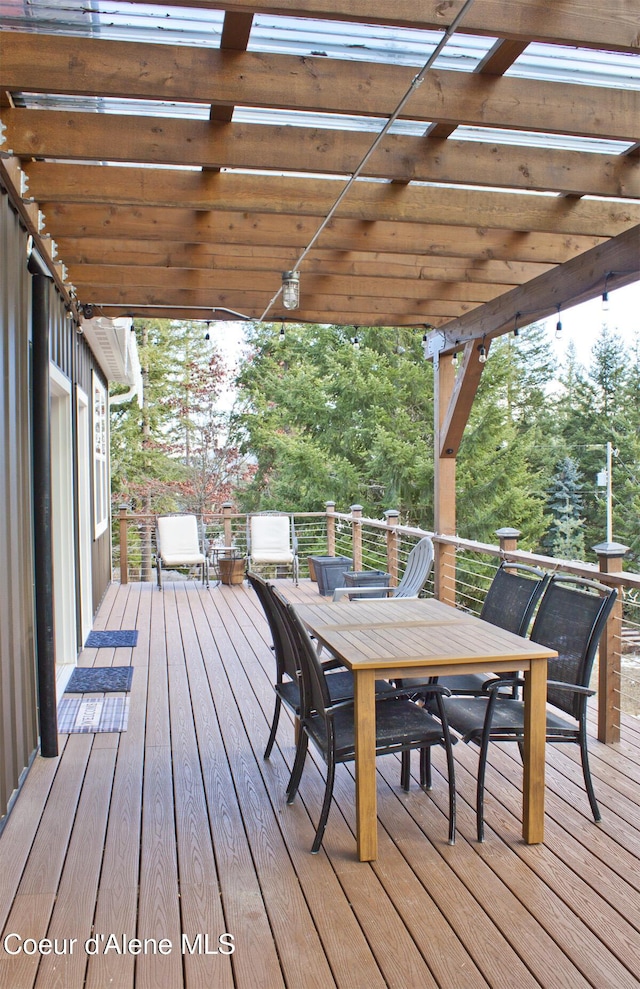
462	573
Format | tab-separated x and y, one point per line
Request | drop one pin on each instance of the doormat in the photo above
99	679
92	714
112	638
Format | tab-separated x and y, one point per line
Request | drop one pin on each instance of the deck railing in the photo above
462	572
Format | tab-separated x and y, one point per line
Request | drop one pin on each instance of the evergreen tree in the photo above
565	538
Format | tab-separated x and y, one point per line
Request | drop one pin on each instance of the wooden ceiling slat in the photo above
222	228
368	201
170	141
93	251
573	22
101	276
146	71
412	312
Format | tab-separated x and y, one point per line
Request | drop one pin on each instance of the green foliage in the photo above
327	420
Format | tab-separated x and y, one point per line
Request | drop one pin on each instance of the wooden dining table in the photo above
421	638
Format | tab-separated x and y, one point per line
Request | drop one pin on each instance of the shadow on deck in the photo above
176	832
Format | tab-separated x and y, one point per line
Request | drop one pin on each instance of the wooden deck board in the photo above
179	826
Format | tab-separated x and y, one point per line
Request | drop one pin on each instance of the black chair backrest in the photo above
284	651
571	619
513	595
315	692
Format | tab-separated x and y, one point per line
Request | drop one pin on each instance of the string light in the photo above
281	335
558	326
482	352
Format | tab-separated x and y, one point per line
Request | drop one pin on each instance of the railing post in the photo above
508	539
356	536
330	507
609	654
226	522
124	548
392	515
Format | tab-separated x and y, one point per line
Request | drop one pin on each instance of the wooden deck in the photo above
178	827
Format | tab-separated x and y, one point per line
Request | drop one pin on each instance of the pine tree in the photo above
565	538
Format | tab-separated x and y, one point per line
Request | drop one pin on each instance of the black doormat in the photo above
112	638
99	679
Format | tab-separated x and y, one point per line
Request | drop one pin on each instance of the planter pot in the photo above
367	578
231	570
329	572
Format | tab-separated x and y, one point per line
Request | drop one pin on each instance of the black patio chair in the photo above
571	619
401	726
287	683
287	686
509	603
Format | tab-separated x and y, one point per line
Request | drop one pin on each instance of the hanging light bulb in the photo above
482	352
558	326
355	343
516	328
281	334
207	335
605	301
291	289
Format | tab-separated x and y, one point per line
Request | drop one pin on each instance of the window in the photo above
100	458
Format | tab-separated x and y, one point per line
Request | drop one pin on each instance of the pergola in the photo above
176	160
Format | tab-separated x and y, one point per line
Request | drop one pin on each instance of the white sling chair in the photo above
178	545
271	541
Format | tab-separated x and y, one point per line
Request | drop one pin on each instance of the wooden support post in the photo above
392	515
508	540
609	654
124	546
444	500
356	536
226	522
330	507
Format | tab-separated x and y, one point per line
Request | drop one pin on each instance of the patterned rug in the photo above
112	639
99	679
92	714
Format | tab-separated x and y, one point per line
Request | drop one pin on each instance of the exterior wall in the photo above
73	370
70	352
18	719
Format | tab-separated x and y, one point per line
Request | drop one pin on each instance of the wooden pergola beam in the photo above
212	76
200	143
224	228
174	254
368	201
617	262
569	284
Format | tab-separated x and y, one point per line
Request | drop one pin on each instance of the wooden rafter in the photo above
313	197
172	141
143	71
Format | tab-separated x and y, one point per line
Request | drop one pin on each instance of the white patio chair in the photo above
272	541
178	545
416	573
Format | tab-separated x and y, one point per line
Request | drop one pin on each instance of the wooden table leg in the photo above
535	722
365	765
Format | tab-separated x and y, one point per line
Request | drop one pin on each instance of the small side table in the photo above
228	564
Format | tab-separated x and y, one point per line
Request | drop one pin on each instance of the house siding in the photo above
70	353
18	717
